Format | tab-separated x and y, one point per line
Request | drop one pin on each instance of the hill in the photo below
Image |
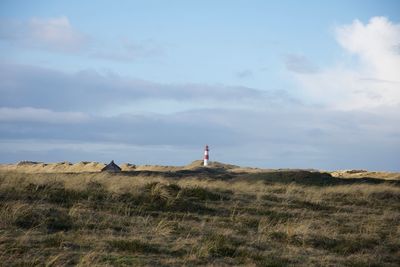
86	166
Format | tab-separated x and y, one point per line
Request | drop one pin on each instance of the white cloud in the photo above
59	35
43	33
373	80
56	32
29	114
376	44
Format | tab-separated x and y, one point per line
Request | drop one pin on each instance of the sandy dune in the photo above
85	166
364	173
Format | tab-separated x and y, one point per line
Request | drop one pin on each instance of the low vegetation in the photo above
197	218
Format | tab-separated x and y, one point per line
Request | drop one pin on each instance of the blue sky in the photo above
305	84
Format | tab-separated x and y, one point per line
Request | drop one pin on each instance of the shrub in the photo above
120	260
167	197
53	192
96	192
343	246
278	236
52	219
276	217
273	261
161	192
57	220
217	245
28	217
53	240
202	194
131	245
386	196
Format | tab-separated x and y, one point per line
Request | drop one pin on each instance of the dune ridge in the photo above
89	166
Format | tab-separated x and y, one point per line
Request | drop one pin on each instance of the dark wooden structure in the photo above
111	167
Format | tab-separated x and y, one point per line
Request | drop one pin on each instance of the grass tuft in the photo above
132	246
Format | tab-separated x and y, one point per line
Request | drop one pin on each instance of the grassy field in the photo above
197	217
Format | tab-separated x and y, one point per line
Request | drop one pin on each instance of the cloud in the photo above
55	34
37	87
178	129
28	114
376	45
291	137
370	78
299	64
58	34
67	114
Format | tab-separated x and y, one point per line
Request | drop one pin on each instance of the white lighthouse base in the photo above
205	162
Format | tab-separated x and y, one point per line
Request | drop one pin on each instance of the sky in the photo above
272	84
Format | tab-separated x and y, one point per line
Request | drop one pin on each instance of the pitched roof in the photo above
111	167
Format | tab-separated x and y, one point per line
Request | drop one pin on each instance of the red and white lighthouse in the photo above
206	157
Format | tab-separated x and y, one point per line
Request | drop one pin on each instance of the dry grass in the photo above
254	219
363	173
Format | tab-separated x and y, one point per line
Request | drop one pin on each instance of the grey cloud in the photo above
22	86
378	80
279	132
299	64
160	130
294	137
28	114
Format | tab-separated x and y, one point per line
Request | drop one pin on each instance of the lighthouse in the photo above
206	156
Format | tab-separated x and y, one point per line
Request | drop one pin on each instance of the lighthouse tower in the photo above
206	156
